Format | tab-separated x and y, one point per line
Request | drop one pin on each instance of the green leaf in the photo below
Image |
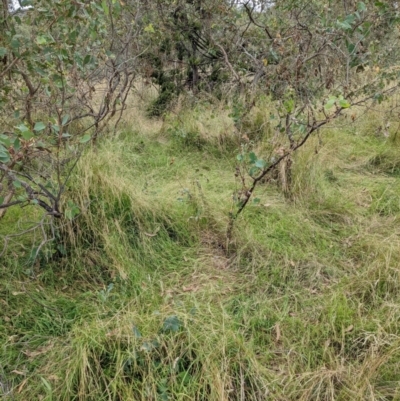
27	135
185	378
72	210
85	138
149	345
361	6
58	80
65	119
73	35
253	171
17	184
149	28
17	144
110	54
261	164
252	157
4	156
171	324
47	385
289	105
379	97
351	48
15	43
3	51
136	332
22	128
39	126
87	59
380	4
40	144
4	140
105	7
256	201
344	104
1	200
60	247
330	103
41	40
239	157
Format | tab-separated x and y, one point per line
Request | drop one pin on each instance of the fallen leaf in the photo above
280	151
350	328
154	234
175	363
277	332
190	289
168	293
39	351
21	386
112	333
18	372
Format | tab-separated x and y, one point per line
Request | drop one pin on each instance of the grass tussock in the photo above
145	303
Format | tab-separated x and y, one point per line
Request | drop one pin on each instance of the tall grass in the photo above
146	304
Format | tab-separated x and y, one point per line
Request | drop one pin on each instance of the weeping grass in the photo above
147	302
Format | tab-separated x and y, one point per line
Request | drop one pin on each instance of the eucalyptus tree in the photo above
315	59
64	73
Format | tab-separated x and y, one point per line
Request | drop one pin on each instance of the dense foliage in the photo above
67	68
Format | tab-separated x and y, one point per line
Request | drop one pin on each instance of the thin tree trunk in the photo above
6	200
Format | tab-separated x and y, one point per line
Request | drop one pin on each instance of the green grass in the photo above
149	304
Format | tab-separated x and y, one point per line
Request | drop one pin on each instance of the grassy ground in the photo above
148	304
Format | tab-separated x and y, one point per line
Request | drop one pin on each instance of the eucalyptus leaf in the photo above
252	157
22	128
27	135
39	126
65	119
4	156
136	332
261	164
17	184
171	324
85	138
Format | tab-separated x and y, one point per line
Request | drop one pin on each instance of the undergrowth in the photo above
141	298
